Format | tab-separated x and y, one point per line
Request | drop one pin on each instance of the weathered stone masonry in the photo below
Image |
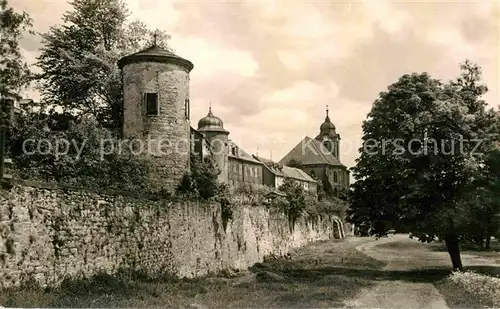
49	235
166	133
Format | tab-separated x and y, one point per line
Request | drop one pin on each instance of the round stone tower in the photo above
156	112
213	129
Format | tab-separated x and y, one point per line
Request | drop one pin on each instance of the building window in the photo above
187	108
335	179
233	151
313	174
151	102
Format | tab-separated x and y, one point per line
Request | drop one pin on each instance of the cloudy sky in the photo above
270	67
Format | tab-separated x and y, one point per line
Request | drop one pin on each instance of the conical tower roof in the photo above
155	54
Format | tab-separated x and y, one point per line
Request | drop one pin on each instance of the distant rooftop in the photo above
285	171
240	153
310	151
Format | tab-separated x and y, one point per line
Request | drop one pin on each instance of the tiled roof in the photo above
240	154
285	171
310	151
297	173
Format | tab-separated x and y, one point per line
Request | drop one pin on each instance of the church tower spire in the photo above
328	135
327	118
155	38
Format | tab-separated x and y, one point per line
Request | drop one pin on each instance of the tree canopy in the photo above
14	72
295	197
424	140
79	58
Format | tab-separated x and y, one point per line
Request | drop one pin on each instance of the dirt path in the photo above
397	293
404	256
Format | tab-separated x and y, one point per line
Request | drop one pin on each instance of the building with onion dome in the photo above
156	113
238	168
213	130
320	158
328	137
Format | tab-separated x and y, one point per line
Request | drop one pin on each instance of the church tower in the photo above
156	112
328	137
213	129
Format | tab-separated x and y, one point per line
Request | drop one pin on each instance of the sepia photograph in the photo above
206	154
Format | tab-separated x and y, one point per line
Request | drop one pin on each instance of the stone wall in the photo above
52	234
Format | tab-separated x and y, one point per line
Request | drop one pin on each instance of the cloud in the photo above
210	58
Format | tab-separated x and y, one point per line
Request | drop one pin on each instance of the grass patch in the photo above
124	289
335	253
470	290
310	279
455	296
404	246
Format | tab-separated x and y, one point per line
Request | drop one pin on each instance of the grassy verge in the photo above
308	280
470	290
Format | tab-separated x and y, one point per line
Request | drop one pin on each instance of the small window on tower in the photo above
186	108
327	145
151	101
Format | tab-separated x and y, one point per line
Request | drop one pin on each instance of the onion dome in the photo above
155	54
327	126
210	123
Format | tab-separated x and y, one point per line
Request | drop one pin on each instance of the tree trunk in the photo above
488	238
453	247
480	242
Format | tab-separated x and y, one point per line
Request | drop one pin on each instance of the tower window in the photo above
327	145
186	108
151	101
335	179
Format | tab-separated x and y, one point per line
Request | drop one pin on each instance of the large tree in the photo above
14	72
483	198
79	58
420	151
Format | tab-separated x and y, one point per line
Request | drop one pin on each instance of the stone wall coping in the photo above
109	192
